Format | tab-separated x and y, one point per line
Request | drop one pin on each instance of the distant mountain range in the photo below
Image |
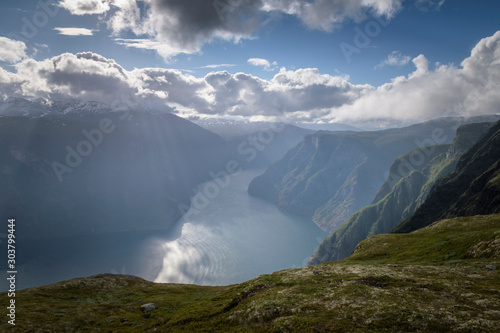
331	175
79	168
71	167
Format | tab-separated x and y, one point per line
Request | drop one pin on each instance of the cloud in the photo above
74	31
87	76
177	26
394	59
164	50
288	92
12	50
448	90
296	95
268	66
218	66
85	7
328	15
428	5
172	27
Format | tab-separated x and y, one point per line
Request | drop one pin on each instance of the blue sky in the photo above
286	35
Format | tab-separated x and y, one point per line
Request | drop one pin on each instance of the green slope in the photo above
432	280
408	184
472	189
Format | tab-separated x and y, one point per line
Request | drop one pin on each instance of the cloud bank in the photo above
296	95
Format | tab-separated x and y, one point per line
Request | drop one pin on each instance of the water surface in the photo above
235	238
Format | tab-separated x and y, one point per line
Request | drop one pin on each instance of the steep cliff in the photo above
408	184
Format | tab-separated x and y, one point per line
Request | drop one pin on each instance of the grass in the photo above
432	280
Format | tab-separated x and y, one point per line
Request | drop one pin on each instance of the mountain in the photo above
442	278
15	106
406	187
71	173
256	144
331	175
472	189
261	148
231	128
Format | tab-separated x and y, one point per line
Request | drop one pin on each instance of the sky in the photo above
363	62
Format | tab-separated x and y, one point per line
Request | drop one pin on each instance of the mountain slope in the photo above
472	189
406	187
329	176
438	279
67	175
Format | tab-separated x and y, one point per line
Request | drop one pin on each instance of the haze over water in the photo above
234	239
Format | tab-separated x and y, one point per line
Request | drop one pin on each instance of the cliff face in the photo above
329	176
472	189
406	187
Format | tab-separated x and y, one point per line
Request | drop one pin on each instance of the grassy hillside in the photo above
434	279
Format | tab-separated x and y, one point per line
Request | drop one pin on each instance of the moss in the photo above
424	281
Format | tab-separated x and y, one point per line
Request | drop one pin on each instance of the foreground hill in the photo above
473	188
329	176
442	278
406	187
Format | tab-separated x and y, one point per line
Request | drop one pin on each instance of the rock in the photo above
493	268
148	307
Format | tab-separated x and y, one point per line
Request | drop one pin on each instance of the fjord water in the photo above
235	238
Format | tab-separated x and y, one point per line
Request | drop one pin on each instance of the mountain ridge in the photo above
329	176
472	189
405	189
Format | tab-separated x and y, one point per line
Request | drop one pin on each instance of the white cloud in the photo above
213	66
422	65
471	89
394	59
74	31
12	50
86	76
297	95
164	50
303	90
268	66
85	7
